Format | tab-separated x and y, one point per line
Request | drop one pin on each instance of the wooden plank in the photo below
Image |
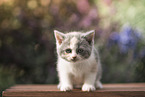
109	90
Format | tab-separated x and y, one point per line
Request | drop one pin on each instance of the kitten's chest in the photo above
79	69
77	74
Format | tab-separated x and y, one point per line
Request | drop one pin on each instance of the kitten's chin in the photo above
72	61
76	61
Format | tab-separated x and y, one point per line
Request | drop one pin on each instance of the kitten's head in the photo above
74	46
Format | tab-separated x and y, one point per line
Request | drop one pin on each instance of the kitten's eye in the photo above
68	50
80	50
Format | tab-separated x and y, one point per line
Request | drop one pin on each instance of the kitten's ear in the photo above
89	36
59	36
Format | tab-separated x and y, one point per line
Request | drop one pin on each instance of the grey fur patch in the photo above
83	44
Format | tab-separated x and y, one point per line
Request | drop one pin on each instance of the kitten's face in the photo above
74	46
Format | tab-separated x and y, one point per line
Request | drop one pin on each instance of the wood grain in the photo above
109	90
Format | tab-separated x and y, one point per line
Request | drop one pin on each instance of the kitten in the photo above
78	61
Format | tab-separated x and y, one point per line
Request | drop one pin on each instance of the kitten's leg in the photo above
89	82
99	84
65	82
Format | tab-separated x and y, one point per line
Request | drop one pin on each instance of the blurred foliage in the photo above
27	44
131	12
7	77
123	36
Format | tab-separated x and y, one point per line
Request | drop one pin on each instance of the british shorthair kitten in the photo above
78	61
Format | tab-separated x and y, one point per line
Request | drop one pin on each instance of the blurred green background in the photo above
27	43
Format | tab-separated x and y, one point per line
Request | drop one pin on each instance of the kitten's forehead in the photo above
73	42
74	38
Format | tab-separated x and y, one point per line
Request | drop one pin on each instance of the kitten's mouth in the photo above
74	60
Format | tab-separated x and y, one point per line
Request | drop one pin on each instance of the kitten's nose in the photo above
74	58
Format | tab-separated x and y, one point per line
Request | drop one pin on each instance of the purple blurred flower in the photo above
127	39
114	39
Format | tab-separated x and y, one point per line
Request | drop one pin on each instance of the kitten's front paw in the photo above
87	87
65	87
58	86
99	85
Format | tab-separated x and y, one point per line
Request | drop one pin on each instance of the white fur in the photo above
73	42
71	73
